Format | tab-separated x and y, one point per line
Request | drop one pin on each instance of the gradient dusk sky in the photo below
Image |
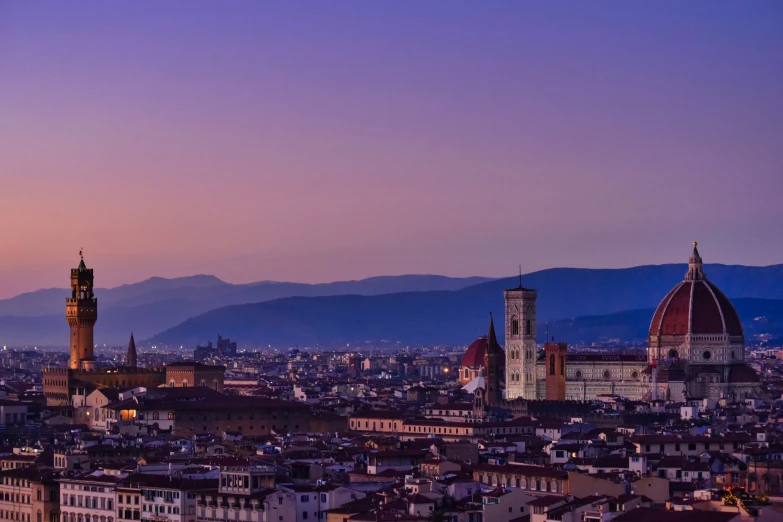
317	141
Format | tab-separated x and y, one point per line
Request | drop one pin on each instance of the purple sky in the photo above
316	141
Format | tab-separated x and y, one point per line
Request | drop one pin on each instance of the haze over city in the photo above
321	142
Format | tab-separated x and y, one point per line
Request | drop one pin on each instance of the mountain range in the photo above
152	305
578	305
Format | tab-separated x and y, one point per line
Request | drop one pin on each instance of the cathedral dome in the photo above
741	373
474	356
695	306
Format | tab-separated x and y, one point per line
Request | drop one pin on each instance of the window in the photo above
527	327
551	364
562	365
171	415
514	326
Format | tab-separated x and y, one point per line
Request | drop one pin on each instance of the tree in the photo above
437	516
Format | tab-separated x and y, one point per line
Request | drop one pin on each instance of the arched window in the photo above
155	415
467	373
215	384
203	382
552	364
185	384
562	365
171	415
527	327
171	383
514	325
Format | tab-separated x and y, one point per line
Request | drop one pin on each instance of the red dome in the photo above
695	306
740	373
474	357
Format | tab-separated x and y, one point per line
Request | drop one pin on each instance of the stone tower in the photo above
556	354
130	359
520	342
493	361
81	310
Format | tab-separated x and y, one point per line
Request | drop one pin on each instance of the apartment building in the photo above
164	498
88	497
246	493
29	495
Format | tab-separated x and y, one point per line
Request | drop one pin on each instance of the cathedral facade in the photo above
696	349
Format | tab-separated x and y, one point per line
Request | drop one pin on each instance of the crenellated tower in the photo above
520	342
81	311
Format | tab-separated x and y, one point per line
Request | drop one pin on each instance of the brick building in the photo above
184	374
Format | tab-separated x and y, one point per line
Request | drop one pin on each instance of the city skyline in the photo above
313	143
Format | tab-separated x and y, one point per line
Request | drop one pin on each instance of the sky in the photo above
321	141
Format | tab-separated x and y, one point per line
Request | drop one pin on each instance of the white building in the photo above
89	497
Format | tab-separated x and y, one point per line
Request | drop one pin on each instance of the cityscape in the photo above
280	212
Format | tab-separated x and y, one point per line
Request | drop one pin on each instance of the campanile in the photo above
81	310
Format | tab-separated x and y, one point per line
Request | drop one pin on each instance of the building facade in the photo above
184	374
29	495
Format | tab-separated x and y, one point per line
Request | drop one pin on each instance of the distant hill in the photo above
147	307
759	317
413	309
457	317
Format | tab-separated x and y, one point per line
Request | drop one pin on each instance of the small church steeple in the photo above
130	359
493	361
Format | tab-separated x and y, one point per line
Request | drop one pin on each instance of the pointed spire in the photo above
492	340
695	265
82	266
130	360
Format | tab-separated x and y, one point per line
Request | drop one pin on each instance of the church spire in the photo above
695	265
492	340
130	360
